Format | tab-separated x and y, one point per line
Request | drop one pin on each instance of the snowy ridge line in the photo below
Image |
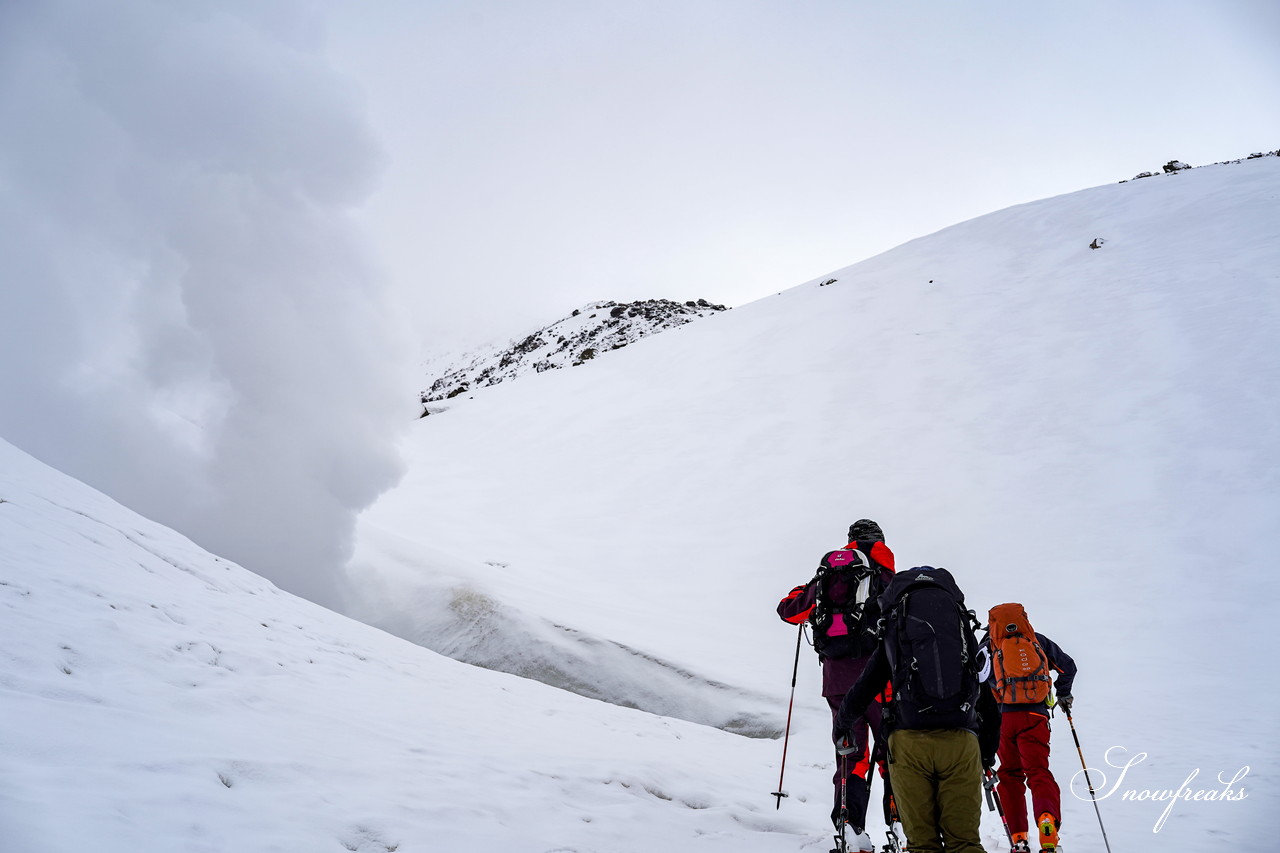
588	332
1175	166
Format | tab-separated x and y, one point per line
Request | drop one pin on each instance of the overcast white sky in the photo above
218	217
544	154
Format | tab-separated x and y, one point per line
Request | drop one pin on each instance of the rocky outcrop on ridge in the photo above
1173	167
589	332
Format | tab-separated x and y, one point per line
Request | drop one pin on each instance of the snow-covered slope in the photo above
1092	431
157	699
588	332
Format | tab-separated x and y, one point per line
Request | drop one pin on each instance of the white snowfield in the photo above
1092	432
157	698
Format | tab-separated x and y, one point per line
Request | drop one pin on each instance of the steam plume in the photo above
189	319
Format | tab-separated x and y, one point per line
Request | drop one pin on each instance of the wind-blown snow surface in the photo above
1092	432
157	698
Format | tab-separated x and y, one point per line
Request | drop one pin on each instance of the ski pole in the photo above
877	759
842	844
786	737
1087	780
895	844
993	801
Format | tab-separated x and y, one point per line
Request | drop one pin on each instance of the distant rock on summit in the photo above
588	332
1173	167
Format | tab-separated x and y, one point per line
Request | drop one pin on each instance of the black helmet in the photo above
865	530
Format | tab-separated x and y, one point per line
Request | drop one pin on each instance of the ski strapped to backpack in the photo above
932	651
1018	663
846	585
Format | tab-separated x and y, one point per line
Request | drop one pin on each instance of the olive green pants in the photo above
937	784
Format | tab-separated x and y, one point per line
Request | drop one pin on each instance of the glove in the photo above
1064	702
988	763
844	743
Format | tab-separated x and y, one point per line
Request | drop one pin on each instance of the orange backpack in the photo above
1019	665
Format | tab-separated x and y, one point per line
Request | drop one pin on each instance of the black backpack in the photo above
845	612
932	651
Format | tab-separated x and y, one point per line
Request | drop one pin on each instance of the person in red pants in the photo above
1018	670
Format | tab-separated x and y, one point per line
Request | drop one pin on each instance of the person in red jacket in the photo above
840	604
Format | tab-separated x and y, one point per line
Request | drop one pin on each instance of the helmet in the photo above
865	530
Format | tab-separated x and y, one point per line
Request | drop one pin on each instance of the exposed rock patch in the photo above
588	333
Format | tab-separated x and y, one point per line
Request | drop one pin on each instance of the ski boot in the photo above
853	840
1020	844
1048	833
842	845
895	841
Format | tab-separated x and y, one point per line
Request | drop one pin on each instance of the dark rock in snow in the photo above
587	333
1175	166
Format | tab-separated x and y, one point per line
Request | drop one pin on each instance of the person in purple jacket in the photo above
840	605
